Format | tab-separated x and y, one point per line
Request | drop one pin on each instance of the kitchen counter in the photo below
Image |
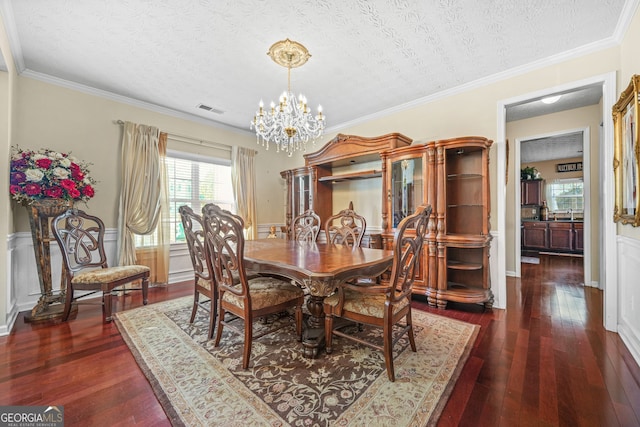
580	220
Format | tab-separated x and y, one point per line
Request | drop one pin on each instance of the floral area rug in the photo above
198	384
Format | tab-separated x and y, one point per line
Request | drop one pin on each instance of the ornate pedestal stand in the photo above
51	305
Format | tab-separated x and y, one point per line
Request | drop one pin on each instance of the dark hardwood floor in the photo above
544	361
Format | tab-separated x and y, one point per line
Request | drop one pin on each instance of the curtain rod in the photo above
192	141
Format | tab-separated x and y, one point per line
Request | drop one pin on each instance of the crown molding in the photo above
628	11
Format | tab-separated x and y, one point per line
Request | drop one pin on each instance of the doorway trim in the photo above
586	160
608	277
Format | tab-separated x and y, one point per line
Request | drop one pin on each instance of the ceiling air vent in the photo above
210	109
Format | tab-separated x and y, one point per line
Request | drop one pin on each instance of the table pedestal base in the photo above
313	335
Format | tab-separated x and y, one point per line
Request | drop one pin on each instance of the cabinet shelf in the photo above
461	265
458	176
464	293
352	176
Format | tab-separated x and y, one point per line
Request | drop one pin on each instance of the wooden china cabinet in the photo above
312	186
463	212
305	191
451	175
409	181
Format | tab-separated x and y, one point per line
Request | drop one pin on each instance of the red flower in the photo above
53	192
74	192
67	184
32	189
88	191
77	174
14	189
43	163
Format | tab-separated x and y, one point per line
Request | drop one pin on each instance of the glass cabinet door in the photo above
301	194
406	188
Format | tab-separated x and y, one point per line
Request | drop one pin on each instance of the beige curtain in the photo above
143	199
243	178
155	252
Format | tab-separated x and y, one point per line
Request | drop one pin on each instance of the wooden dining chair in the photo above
346	227
383	305
248	299
306	227
203	283
80	237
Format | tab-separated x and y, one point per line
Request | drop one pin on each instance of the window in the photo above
193	181
565	194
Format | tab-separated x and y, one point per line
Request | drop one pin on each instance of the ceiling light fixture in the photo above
551	99
290	124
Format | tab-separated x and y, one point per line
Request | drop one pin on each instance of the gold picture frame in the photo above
626	165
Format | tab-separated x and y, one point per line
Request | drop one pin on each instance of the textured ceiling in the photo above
368	57
557	147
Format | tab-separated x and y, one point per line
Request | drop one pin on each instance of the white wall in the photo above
629	307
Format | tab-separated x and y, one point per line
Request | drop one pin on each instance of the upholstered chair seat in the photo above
111	274
371	305
80	237
265	292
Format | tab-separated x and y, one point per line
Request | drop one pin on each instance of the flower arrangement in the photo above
46	174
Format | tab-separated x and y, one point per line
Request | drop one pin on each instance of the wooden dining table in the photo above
318	267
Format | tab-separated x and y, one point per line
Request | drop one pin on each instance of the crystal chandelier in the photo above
290	124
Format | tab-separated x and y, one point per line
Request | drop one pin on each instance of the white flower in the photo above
61	173
65	162
56	156
34	175
38	156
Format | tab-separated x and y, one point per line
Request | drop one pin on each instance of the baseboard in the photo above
561	254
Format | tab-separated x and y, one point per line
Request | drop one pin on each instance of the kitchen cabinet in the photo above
553	236
531	192
534	235
578	236
560	236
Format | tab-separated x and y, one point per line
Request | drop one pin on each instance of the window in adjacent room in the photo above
193	181
565	194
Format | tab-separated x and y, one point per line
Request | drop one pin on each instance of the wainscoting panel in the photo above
629	294
11	303
24	282
22	277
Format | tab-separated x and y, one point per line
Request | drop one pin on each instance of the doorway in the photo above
550	155
607	238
